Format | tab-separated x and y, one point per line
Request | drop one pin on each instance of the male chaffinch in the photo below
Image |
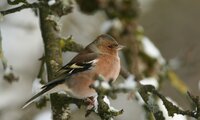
98	58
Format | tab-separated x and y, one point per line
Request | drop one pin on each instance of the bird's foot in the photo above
90	102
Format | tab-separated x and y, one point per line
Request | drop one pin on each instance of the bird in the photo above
100	57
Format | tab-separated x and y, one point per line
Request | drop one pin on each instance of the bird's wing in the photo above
79	63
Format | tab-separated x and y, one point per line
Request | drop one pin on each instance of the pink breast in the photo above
109	68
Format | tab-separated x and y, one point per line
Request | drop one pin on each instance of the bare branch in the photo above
53	52
68	44
17	9
173	109
15	2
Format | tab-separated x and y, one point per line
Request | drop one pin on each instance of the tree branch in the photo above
15	2
53	56
68	44
173	109
17	9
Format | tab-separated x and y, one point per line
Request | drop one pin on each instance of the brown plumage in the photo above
99	58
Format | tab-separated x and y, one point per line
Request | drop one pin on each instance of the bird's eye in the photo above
110	46
113	45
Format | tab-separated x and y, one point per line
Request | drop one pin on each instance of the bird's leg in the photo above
92	105
90	101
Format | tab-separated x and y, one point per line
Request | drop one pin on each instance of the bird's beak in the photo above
119	47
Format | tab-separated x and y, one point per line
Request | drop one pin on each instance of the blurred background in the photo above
172	25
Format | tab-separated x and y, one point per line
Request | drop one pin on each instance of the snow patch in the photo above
129	83
106	100
151	50
165	113
96	104
107	25
117	24
51	2
65	113
36	86
139	98
8	70
45	115
96	83
150	81
103	84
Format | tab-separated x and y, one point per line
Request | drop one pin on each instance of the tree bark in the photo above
53	58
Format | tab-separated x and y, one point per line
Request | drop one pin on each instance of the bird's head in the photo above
105	44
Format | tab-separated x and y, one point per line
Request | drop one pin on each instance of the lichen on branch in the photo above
53	52
68	44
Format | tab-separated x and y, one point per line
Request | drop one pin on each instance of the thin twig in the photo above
17	9
15	2
173	109
68	44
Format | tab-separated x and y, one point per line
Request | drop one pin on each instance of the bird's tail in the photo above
50	87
